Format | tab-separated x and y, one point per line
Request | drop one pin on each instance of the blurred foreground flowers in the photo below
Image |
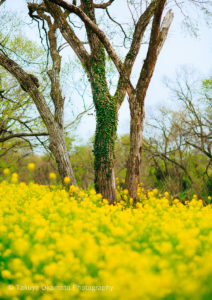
72	245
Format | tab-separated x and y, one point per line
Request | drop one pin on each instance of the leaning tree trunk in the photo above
30	84
59	150
136	140
106	125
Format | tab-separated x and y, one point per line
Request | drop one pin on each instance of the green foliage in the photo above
82	160
207	83
106	114
207	90
25	47
152	175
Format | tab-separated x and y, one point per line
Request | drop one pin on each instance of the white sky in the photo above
180	49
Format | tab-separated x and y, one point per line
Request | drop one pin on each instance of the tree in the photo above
54	123
20	124
94	63
157	38
179	142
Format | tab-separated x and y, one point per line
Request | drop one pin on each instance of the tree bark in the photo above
136	140
105	104
157	38
106	113
58	148
106	125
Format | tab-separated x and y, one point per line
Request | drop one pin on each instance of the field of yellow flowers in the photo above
58	244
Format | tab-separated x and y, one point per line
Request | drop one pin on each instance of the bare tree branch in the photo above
21	135
139	31
131	56
27	83
7	150
167	21
79	116
117	23
157	40
66	31
207	153
101	35
104	5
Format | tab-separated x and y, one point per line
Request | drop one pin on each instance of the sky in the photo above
180	49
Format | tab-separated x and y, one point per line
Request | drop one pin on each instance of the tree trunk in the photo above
105	178
136	140
58	148
104	148
157	38
95	66
56	133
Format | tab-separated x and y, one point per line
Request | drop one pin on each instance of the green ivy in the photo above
106	114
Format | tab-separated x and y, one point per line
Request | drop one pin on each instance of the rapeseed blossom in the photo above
6	171
31	166
14	178
56	244
66	180
52	176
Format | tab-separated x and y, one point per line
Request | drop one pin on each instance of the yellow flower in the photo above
52	176
73	189
125	192
51	269
6	274
92	192
14	178
31	166
53	238
20	246
66	180
6	171
131	200
175	201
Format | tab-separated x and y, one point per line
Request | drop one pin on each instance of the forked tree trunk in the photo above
59	150
136	140
157	38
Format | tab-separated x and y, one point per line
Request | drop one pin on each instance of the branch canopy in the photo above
101	35
103	5
29	84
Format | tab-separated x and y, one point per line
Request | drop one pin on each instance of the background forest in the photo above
176	153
